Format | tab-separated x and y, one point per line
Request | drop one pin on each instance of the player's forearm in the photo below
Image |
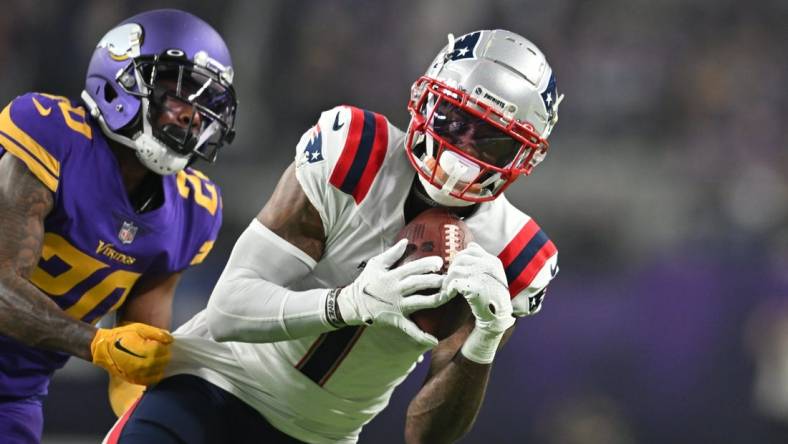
446	407
250	302
254	310
30	317
27	314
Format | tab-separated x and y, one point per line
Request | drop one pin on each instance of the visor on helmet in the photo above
473	135
173	82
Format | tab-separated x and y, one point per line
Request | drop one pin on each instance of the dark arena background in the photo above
665	191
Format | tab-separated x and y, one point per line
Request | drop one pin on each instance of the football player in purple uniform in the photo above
101	212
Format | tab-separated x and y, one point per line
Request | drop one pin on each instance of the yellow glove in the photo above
122	394
136	352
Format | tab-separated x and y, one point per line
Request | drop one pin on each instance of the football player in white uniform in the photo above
307	333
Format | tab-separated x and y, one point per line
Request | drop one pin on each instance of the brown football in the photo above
437	232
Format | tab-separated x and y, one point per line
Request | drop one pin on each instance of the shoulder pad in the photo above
352	142
40	130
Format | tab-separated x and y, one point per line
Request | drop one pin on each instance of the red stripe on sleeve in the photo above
352	141
376	157
516	245
532	269
117	429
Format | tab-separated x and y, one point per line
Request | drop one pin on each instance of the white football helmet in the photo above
480	116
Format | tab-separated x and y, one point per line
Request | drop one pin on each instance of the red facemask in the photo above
466	147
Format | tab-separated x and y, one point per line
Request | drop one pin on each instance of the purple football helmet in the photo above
148	65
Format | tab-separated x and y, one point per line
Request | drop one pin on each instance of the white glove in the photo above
384	296
480	278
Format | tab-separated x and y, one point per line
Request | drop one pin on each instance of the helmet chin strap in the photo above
156	156
440	197
455	168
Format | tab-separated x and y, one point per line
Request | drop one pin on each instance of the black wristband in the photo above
333	315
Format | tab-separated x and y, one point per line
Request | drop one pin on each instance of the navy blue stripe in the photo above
524	258
327	353
362	154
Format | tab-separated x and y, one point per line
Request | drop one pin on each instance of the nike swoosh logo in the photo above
553	269
337	126
120	346
41	109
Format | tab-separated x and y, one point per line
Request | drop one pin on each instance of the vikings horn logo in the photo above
123	42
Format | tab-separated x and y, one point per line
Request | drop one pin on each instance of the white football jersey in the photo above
354	169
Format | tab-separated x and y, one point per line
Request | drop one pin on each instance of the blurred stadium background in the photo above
666	191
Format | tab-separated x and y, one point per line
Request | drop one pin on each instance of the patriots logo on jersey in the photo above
535	301
549	97
465	46
313	152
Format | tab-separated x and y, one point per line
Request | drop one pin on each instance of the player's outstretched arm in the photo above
446	406
27	314
31	317
250	302
281	246
150	303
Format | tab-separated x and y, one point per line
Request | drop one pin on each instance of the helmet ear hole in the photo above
109	93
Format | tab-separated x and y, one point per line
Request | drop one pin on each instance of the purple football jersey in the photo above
96	248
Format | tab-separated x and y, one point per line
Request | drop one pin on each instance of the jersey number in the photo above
205	194
74	116
81	267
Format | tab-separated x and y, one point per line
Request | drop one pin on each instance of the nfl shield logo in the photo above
127	232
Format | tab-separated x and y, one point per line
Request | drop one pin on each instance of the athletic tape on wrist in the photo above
332	309
480	347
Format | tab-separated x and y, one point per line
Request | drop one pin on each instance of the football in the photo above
437	232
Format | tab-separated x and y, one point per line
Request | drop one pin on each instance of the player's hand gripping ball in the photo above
437	232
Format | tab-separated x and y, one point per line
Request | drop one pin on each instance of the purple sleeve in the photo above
39	129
